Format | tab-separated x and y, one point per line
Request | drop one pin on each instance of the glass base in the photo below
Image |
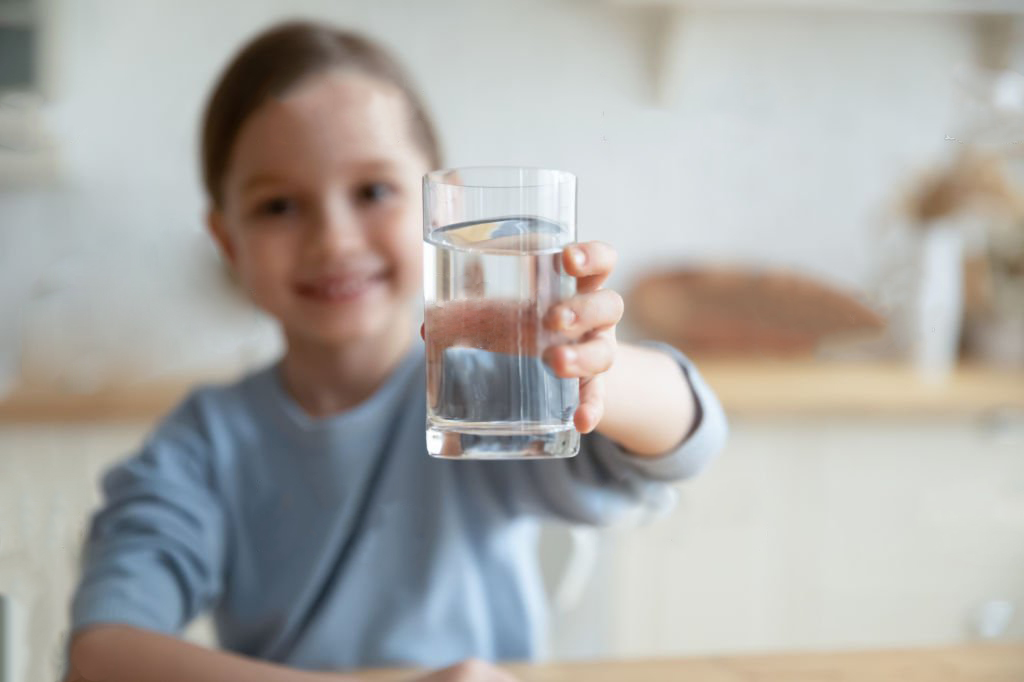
499	441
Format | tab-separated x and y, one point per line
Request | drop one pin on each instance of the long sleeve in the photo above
154	554
604	482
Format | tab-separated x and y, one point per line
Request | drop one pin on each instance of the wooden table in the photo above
974	663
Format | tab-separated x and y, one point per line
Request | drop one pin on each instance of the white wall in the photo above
782	144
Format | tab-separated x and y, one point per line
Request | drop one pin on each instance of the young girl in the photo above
299	504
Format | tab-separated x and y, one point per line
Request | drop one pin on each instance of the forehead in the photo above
331	121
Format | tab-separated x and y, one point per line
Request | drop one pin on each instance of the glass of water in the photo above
492	271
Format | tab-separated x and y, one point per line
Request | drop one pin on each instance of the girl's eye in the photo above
374	192
278	206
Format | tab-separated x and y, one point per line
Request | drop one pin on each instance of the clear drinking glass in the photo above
492	269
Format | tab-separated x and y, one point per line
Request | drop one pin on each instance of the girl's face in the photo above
320	217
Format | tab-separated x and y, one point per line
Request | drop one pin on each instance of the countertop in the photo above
746	387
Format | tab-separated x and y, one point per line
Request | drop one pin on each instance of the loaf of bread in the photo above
732	311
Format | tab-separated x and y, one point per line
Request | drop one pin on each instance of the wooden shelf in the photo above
746	388
815	388
665	42
965	7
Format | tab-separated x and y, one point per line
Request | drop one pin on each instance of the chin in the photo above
346	331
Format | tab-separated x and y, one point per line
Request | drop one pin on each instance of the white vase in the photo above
937	313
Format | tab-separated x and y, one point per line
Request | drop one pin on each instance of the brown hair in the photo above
276	61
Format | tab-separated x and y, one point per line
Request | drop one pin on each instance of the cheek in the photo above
263	260
411	249
404	244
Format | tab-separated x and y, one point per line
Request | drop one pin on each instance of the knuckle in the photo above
612	303
604	351
618	304
577	304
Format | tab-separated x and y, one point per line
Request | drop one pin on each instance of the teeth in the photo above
344	287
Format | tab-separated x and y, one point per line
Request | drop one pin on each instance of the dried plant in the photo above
972	181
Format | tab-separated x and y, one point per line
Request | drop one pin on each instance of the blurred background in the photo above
819	200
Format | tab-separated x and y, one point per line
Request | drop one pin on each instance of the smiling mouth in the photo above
339	289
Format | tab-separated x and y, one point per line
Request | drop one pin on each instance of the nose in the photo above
337	232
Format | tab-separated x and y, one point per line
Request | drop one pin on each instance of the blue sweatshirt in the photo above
337	543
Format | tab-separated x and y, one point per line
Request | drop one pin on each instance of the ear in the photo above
219	231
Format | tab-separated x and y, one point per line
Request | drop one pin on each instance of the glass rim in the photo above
559	177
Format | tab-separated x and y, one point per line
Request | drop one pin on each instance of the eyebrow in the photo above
260	179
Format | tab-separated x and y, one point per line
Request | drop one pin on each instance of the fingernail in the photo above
579	257
566	317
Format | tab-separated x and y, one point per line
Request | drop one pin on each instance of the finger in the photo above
590	263
591	408
584	313
585	359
